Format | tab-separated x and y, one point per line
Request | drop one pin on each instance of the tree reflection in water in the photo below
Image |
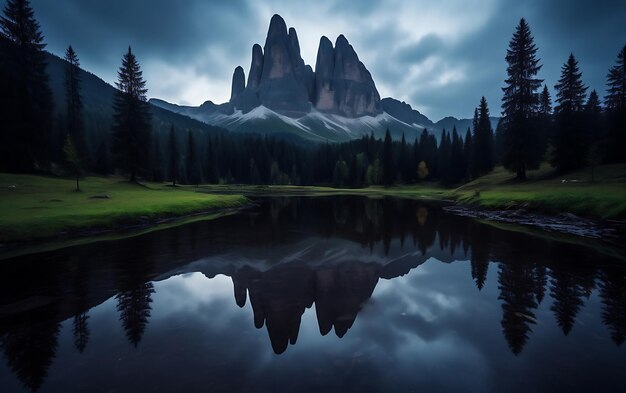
40	291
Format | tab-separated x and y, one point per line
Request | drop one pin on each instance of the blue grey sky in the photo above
439	56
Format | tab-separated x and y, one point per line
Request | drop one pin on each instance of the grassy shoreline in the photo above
543	192
38	207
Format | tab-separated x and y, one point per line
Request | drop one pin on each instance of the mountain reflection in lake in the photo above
418	300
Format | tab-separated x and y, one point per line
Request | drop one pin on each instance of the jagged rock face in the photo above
256	67
324	67
238	85
343	84
281	81
249	98
281	88
355	92
304	73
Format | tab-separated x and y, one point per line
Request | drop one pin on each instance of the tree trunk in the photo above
521	172
77	186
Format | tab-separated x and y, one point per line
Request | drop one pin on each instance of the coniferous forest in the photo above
41	135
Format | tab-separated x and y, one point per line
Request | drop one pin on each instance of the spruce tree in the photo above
131	120
173	166
193	165
402	160
457	158
28	123
156	159
482	157
522	147
74	103
443	157
388	164
615	102
593	124
570	140
545	117
467	151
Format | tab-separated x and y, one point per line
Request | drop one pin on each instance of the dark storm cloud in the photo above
594	32
421	50
440	57
167	28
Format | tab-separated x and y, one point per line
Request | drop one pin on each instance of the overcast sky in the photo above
439	56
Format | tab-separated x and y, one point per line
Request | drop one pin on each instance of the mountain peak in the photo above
281	81
239	83
277	26
341	40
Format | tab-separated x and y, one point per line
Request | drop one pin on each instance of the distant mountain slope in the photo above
314	125
97	96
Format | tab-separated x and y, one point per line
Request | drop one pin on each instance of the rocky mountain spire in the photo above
238	85
355	91
324	68
281	88
280	80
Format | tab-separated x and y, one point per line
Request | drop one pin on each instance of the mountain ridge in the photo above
336	102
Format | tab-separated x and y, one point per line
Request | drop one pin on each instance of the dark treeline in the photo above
579	131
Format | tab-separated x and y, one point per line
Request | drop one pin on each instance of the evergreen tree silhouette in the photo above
30	350
570	142
193	165
567	296
388	163
468	148
27	116
521	144
74	104
615	102
81	331
516	284
483	161
457	158
131	120
480	257
173	165
545	117
595	128
613	296
134	307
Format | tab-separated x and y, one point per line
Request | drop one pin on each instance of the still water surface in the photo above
340	294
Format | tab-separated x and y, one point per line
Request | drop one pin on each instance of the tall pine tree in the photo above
194	176
522	147
468	146
545	117
570	139
173	165
593	123
131	120
74	103
615	102
482	157
388	163
27	99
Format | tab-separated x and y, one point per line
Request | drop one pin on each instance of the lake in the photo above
326	294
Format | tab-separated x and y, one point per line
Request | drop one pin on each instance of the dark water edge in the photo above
316	294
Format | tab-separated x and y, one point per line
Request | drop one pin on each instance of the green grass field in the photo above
545	191
36	207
